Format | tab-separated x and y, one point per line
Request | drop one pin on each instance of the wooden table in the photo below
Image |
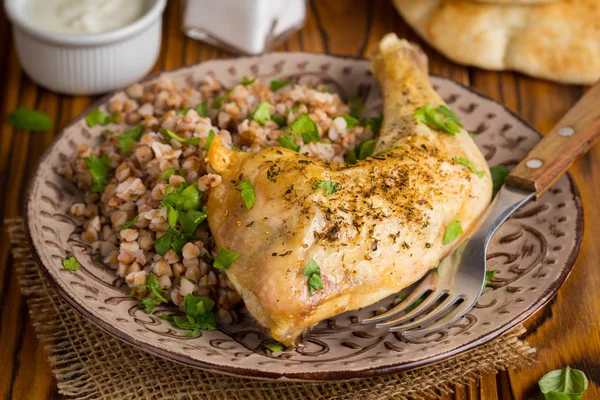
567	331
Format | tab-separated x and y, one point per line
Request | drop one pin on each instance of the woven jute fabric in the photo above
91	364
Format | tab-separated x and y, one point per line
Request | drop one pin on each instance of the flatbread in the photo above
559	41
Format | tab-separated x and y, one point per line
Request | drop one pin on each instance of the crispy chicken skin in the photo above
380	232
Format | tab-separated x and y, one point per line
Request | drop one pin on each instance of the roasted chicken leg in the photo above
382	229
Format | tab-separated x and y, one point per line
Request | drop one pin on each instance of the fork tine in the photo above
446	321
423	287
435	314
420	309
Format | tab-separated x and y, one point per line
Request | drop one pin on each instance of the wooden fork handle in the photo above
574	134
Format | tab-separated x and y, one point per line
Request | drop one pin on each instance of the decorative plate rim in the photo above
300	376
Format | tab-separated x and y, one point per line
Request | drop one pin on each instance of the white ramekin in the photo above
90	63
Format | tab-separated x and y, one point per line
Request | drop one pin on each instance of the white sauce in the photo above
84	16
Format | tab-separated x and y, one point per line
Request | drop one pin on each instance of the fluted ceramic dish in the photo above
534	251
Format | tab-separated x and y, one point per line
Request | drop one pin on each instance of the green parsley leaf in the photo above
275	347
149	303
356	105
224	259
70	264
183	111
202	109
171	213
295	109
489	275
261	114
351	122
190	220
279	120
178	244
193	141
325	89
277	84
184	198
440	118
218	102
350	157
313	271
452	232
362	151
288	142
563	384
329	186
469	164
163	243
374	122
30	120
247	193
98	170
154	287
499	174
129	224
306	128
415	304
129	137
209	140
199	315
167	173
99	117
247	81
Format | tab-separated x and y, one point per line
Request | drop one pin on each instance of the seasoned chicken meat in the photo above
323	238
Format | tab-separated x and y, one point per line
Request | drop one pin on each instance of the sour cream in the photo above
84	16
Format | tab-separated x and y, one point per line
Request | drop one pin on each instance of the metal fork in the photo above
454	288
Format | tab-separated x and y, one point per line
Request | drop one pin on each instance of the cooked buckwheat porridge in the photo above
147	182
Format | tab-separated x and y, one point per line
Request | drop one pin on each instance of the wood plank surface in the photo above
566	332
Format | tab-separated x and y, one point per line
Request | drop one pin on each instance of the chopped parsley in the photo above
193	141
98	170
261	114
247	81
499	174
30	120
190	220
183	111
452	232
373	122
306	128
363	151
209	140
167	173
279	120
129	137
218	102
70	264
440	118
149	303
202	109
184	198
489	275
356	105
313	271
248	194
351	122
129	224
277	84
329	186
154	288
469	164
163	243
275	347
288	142
199	314
99	117
224	259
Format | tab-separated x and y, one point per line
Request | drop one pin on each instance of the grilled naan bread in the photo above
380	232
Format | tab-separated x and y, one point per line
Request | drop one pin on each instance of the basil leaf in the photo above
70	264
261	114
209	140
163	243
440	118
306	128
30	120
129	137
489	275
193	141
452	232
202	109
167	173
563	384
149	303
99	117
129	224
247	81
248	194
356	105
224	259
190	220
277	84
98	170
288	142
351	122
469	164
279	120
499	174
275	347
374	122
313	271
329	186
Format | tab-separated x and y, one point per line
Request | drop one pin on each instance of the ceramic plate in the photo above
534	251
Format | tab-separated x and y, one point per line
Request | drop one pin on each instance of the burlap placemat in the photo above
91	364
